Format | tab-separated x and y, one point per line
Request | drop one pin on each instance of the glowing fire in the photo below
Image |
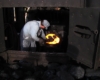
54	37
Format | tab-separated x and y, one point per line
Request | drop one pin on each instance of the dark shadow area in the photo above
83	35
72	51
83	27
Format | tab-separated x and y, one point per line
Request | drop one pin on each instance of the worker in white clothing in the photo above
30	32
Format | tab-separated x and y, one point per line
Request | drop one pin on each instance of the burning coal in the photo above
52	38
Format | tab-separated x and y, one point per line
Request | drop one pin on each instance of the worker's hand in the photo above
41	42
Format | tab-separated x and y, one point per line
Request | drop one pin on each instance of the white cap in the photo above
46	24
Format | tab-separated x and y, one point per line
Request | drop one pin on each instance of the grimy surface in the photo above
41	3
40	58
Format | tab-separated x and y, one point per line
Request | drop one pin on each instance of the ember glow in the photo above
52	38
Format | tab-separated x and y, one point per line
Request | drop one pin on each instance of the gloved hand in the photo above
41	42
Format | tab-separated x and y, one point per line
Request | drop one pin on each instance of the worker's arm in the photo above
34	30
43	35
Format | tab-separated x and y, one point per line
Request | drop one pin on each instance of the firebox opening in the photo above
15	18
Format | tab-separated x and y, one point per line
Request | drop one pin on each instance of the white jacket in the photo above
31	30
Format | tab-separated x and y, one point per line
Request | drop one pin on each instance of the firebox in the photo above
56	39
59	23
58	30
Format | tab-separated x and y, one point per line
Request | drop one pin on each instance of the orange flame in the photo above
55	38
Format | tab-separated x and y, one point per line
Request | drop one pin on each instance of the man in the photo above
30	32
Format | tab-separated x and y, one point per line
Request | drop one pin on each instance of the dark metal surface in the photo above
92	3
40	58
97	55
2	38
82	35
42	3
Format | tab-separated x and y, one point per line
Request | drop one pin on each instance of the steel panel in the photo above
41	3
97	55
80	48
93	3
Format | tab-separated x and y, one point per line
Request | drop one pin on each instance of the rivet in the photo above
91	15
80	14
72	14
